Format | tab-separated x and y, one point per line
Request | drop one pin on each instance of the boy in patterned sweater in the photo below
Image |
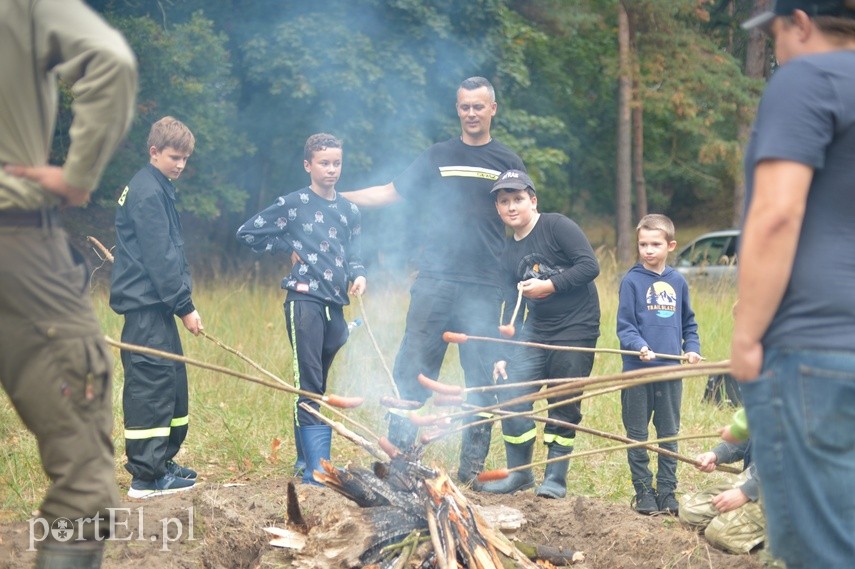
320	232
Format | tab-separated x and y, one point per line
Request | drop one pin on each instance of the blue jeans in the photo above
801	413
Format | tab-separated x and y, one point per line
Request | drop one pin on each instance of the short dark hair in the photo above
527	189
476	82
318	142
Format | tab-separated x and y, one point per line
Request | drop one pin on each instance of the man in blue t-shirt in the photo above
795	321
457	284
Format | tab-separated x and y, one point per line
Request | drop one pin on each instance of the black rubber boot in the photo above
474	448
518	455
402	432
555	479
71	555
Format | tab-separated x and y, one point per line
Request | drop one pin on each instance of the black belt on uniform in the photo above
29	218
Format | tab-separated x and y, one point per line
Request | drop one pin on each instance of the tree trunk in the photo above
637	106
623	205
756	66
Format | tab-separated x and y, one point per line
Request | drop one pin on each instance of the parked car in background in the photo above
712	256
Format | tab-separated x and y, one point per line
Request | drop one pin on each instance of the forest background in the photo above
617	107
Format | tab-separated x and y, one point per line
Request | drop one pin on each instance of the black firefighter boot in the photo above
402	432
555	479
518	455
474	448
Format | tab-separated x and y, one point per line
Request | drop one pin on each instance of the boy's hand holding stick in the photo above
508	330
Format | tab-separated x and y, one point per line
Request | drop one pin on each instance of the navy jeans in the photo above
660	402
801	412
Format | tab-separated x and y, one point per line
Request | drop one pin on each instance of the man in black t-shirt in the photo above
456	288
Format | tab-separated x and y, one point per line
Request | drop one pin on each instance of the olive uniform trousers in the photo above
56	369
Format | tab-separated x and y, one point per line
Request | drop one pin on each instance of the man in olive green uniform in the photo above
54	364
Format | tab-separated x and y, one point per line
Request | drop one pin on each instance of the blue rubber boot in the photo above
316	441
518	455
555	480
300	463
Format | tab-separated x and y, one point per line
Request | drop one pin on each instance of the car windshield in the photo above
706	251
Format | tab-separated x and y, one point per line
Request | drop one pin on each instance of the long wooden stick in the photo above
610	436
460	338
501	473
345	432
649	375
649	445
332	399
245	358
531	412
377	348
568	382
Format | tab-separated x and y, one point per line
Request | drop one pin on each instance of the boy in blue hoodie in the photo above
654	315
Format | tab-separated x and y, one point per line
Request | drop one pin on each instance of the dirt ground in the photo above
220	526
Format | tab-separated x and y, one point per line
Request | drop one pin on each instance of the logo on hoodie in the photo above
662	299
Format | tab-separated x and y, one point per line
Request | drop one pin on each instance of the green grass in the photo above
235	425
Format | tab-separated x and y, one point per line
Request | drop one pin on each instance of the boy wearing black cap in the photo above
550	262
792	337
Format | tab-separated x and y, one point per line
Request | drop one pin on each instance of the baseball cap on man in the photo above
839	8
512	180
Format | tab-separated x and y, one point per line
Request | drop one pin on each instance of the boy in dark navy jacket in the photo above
150	286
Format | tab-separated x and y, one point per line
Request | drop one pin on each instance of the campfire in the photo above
410	516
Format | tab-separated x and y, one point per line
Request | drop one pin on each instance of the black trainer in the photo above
645	502
166	484
179	471
667	503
